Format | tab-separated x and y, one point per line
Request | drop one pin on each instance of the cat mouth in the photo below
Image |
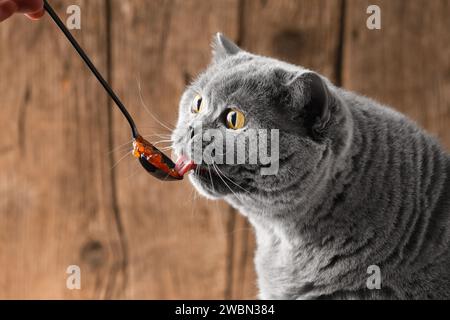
184	165
208	177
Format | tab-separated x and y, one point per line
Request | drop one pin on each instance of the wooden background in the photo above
63	200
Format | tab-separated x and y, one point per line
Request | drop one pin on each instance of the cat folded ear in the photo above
314	102
223	47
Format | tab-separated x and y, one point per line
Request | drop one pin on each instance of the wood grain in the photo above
178	244
305	33
55	194
406	64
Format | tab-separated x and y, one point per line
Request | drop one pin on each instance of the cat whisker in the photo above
226	184
117	148
120	149
157	128
122	158
194	195
229	179
212	184
234	231
148	136
162	141
210	177
164	148
163	136
131	176
148	110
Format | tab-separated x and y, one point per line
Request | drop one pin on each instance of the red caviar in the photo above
143	148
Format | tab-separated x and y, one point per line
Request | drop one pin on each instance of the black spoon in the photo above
155	171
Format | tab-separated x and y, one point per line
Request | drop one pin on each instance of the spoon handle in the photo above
91	66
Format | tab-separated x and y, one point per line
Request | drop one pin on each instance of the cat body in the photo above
387	206
359	185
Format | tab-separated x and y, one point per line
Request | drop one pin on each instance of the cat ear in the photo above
315	102
223	47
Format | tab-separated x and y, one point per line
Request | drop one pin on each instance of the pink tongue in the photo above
184	165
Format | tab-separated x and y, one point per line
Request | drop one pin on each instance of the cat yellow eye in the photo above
197	104
235	119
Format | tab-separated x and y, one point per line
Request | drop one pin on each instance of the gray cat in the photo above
358	185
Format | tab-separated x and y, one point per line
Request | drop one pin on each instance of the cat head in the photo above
241	94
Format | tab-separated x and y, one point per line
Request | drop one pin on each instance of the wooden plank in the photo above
406	64
55	194
177	242
305	33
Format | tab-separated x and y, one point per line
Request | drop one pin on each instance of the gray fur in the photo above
360	185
